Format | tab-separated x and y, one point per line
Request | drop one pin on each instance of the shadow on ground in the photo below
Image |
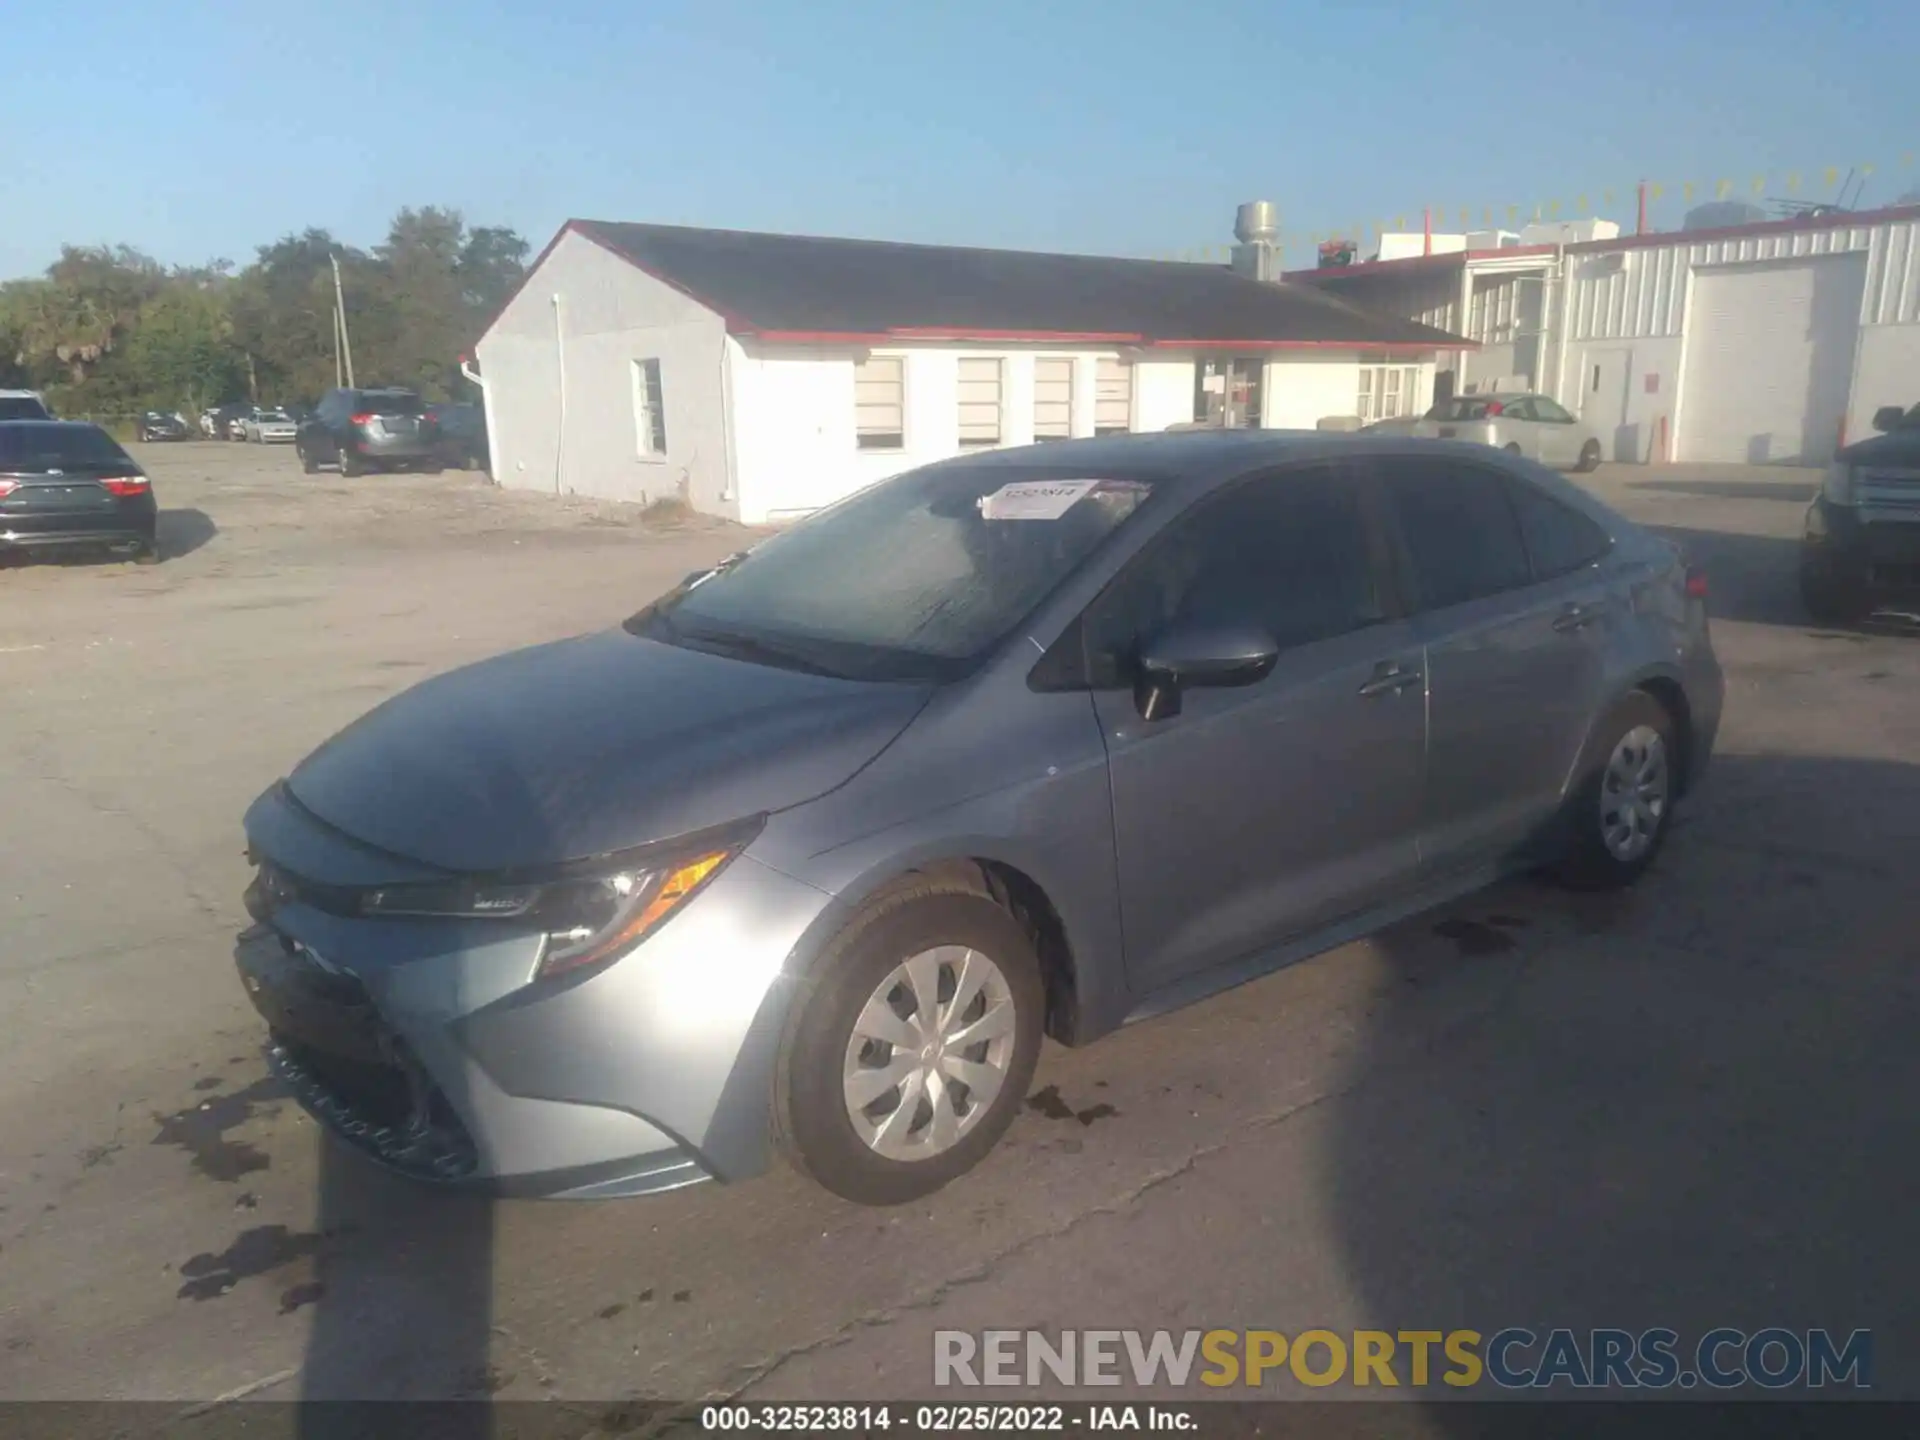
1785	491
1680	1108
1753	578
181	532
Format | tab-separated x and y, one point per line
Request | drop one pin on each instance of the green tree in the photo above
182	349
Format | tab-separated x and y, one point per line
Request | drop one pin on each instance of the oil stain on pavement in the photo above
202	1131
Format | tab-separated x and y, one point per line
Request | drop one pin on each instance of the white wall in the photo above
1162	393
795	446
1627	418
582	438
1303	392
1886	372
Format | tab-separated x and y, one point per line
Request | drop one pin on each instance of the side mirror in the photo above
1199	656
1888	417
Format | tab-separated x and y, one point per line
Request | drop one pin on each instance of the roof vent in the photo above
1256	225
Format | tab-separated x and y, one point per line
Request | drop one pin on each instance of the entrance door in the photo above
1227	392
1603	403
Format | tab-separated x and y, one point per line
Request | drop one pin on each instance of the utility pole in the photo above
340	314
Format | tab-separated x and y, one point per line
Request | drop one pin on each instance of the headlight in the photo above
1838	486
584	915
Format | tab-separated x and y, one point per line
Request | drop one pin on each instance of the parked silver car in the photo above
809	854
269	427
1535	426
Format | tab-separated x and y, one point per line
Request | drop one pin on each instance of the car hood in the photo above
1895	447
584	746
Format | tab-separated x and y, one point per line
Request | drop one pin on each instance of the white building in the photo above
763	376
1761	343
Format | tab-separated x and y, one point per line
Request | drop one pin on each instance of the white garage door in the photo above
1770	359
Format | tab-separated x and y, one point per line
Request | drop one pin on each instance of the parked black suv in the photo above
1861	545
362	430
463	435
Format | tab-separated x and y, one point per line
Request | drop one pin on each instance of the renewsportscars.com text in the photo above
1515	1359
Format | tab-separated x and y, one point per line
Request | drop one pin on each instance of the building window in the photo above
979	403
1052	399
880	402
1388	392
1112	397
649	414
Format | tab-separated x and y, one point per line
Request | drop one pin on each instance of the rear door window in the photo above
1559	539
1459	531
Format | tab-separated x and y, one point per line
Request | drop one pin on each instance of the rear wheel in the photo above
308	464
1511	449
908	1058
1589	458
1618	816
350	463
147	554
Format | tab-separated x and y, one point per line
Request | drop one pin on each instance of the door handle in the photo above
1390	679
1577	617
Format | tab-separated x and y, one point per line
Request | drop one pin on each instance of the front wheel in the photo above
909	1057
1833	600
1618	814
1511	449
1589	458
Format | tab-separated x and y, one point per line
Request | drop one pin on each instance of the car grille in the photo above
1895	492
391	1111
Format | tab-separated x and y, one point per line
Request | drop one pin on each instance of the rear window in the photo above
1461	408
389	402
52	446
21	407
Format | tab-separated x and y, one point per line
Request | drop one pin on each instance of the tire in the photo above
1589	458
308	464
1831	600
351	464
1597	856
1511	449
814	1122
147	554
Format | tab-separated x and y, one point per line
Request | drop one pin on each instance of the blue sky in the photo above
1130	126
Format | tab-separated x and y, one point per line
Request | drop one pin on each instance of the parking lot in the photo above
1690	1106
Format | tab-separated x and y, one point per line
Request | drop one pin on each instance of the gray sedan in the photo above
809	855
1521	424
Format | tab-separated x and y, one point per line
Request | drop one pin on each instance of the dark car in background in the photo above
372	429
463	435
157	425
64	483
1860	547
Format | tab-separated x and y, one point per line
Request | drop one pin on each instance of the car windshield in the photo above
913	578
273	414
54	446
1463	407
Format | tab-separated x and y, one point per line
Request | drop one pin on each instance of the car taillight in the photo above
364	418
1495	409
126	485
7	487
1696	583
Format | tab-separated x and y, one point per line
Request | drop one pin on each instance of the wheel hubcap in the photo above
929	1053
1633	793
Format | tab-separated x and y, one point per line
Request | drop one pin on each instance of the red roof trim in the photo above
1375	347
1792	224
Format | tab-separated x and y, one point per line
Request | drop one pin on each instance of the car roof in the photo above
1182	458
49	425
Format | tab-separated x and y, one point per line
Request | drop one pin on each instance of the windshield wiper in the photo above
748	647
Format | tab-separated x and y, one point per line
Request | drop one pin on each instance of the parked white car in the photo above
1522	424
269	427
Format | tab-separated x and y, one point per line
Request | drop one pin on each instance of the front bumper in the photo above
1879	553
429	1047
276	437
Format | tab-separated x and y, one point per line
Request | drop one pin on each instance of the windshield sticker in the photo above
1034	499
